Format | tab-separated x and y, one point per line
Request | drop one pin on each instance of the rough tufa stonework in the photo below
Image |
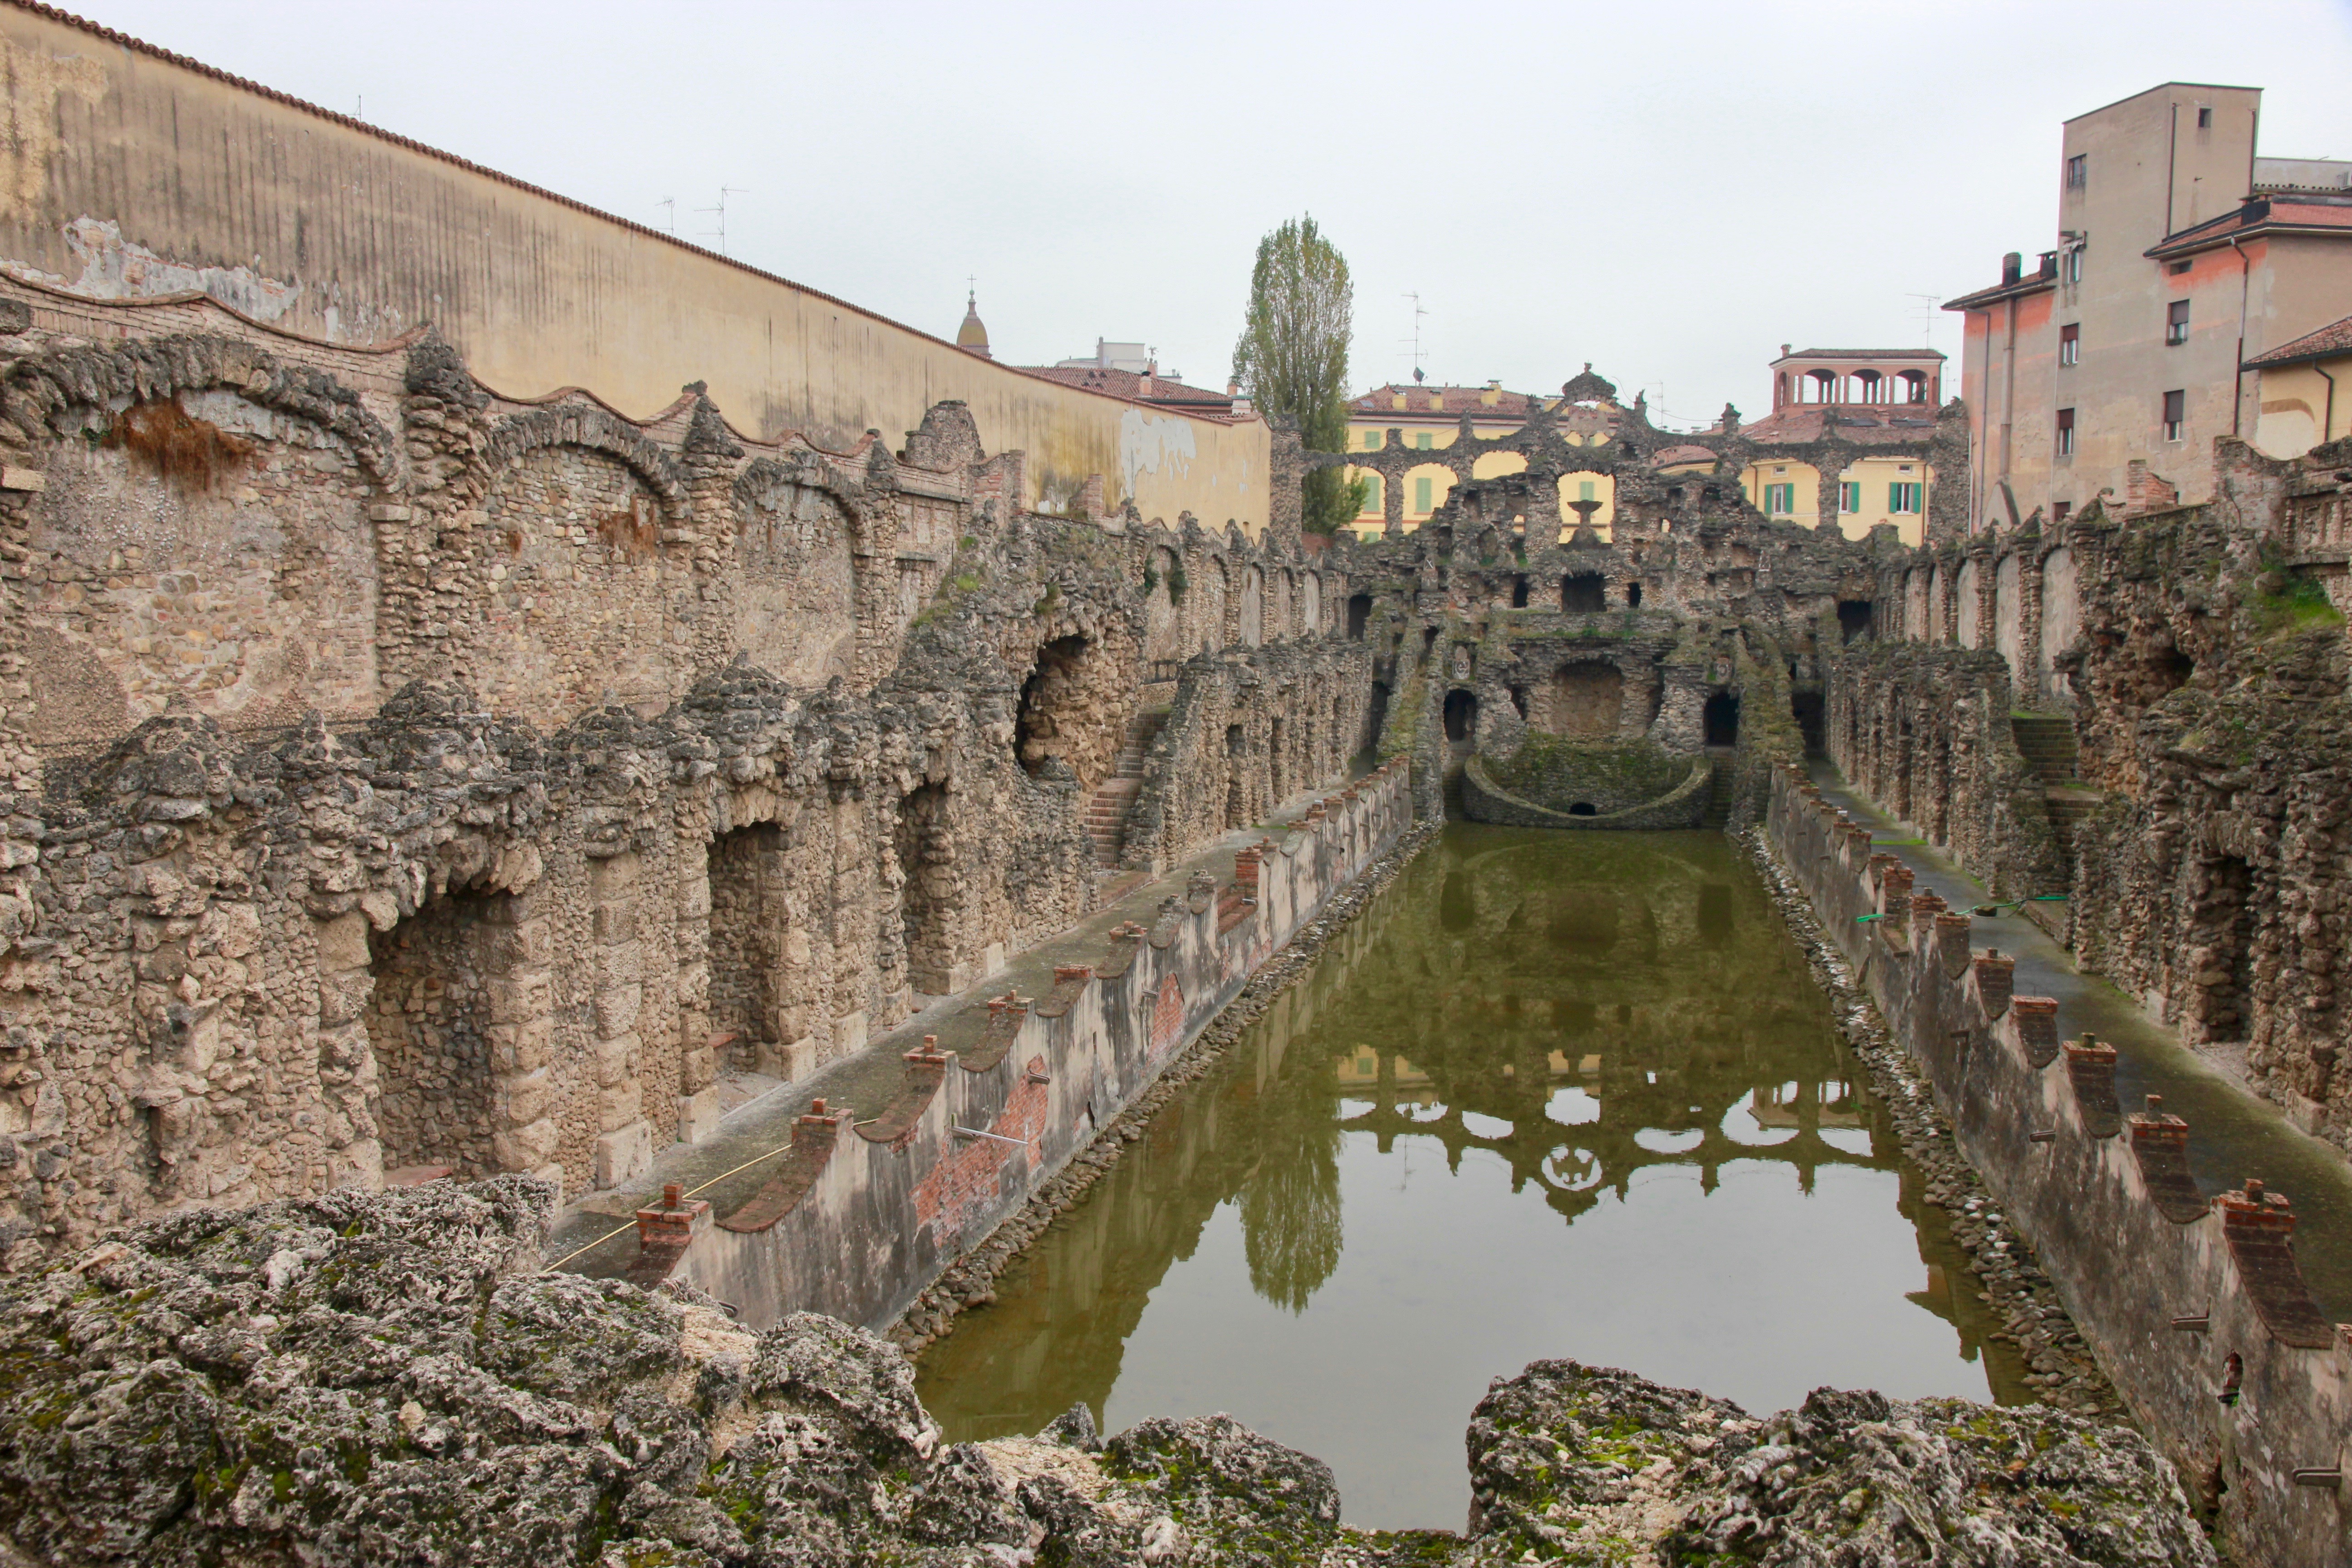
362	1379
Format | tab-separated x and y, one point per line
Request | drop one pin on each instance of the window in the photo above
2176	414
2078	172
2070	345
1584	489
1420	495
2074	264
2176	323
1850	496
1420	441
1902	498
1372	494
2065	432
2178	268
2204	116
1779	500
1371	440
2061	509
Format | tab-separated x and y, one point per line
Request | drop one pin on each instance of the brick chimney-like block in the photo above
2035	1019
1995	976
1894	889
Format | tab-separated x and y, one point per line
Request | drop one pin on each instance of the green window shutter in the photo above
1421	442
1894	497
1420	495
1372	493
1584	489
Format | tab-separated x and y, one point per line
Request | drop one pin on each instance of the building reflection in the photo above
1580	1018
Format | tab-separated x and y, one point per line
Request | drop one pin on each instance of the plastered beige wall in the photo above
125	174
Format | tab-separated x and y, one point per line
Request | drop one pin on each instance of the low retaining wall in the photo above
1684	806
2195	1306
857	1218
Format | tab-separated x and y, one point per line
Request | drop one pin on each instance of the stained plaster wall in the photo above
328	226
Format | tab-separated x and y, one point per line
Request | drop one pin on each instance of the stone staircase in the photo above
1718	797
2048	742
1113	803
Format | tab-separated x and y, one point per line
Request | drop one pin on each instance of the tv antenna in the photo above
669	205
1415	340
719	234
1926	318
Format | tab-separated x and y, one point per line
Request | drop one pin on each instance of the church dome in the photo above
973	335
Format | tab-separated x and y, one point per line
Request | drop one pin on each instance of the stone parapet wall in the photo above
863	1217
2194	1306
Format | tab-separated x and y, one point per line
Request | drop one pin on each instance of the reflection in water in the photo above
1576	1095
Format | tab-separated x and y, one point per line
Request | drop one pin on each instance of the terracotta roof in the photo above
2264	214
1803	423
1129	384
1457	400
2331	341
2032	283
1674	455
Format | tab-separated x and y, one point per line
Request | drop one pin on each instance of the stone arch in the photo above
461	1031
571	612
597	430
1721	720
36	392
797	599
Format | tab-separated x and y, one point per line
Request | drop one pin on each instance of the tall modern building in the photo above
2180	257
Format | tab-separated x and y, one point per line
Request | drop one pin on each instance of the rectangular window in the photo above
1420	441
2176	414
2178	268
1420	495
2176	323
1903	498
1850	496
2070	345
1371	440
1584	489
2074	264
2061	509
1372	495
1779	500
2065	432
2204	118
2078	172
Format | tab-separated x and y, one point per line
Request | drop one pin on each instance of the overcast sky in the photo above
1668	190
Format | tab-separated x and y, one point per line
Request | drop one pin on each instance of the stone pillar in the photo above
346	1060
697	1066
625	1144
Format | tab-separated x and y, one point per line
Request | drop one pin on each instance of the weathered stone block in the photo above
615	1059
525	1097
624	1154
616	1009
697	1115
343	942
621	1104
521	1048
526	1148
519	997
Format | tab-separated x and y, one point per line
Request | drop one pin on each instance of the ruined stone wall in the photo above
402	776
2194	661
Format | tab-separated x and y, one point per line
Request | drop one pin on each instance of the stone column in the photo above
625	1144
346	1059
698	1067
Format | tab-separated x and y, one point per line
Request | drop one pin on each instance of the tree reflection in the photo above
1290	1207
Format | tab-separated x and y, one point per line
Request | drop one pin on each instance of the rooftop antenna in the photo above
1927	319
719	234
1417	314
669	205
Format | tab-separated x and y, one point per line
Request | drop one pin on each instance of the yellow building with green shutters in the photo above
1430	419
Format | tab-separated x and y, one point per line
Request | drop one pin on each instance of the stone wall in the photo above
400	776
855	1222
2191	663
2196	1309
